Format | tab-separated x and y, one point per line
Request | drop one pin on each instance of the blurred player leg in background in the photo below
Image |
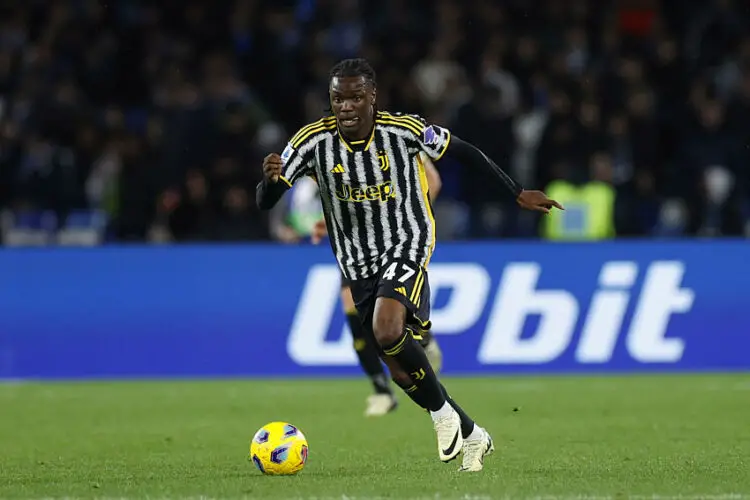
431	348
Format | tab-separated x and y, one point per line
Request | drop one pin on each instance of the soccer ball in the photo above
278	449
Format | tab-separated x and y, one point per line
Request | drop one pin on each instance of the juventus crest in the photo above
383	161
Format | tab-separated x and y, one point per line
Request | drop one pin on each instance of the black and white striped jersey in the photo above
374	192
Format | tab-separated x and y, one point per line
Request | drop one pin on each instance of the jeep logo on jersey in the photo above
382	192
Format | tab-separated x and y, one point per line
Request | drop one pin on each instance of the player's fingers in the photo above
557	205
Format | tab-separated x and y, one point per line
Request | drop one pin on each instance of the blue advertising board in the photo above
267	310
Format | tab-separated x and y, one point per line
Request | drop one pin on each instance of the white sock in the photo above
475	434
444	411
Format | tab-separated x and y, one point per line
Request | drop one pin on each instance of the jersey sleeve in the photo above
297	160
433	139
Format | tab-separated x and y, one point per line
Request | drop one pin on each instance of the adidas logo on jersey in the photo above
338	169
401	290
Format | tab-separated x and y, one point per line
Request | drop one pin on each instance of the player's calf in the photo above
398	343
405	382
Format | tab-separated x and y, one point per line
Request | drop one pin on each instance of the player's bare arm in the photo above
528	199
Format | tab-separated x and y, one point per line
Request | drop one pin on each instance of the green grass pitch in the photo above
652	437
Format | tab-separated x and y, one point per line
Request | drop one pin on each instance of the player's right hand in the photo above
538	201
272	168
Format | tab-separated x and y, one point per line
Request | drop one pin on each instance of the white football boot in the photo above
448	430
475	448
380	404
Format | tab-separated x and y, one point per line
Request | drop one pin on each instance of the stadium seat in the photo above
83	228
673	219
28	227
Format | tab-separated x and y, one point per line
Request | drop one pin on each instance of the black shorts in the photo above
401	280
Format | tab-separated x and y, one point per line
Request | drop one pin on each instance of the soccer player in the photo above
383	401
300	218
379	217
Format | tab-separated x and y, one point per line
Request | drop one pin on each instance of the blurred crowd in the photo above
158	114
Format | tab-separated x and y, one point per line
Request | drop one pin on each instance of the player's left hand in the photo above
538	201
319	232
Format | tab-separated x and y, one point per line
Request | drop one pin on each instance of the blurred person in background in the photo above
589	200
298	219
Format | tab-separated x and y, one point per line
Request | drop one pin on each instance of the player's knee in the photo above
387	329
388	321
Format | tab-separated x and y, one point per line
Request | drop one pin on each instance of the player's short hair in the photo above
353	67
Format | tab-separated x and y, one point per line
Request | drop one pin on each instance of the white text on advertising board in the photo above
515	298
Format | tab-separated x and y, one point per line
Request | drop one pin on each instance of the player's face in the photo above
353	102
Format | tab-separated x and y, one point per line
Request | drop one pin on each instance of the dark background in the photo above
158	114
